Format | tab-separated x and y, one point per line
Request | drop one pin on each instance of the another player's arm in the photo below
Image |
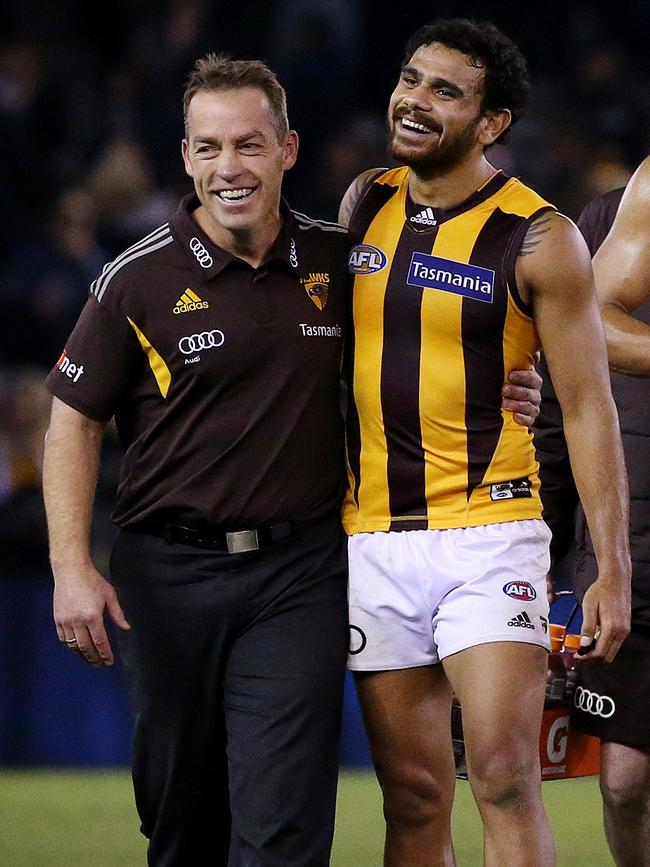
622	274
70	468
554	272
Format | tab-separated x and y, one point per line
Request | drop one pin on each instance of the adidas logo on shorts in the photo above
522	620
426	217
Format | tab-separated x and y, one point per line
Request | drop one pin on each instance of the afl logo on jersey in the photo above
521	590
366	259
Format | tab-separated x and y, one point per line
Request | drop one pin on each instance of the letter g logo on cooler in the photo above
590	702
204	340
557	740
202	256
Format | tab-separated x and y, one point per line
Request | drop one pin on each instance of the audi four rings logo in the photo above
204	340
202	256
591	702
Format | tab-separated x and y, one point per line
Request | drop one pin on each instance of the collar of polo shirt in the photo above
208	259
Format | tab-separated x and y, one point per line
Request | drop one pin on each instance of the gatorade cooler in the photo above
565	753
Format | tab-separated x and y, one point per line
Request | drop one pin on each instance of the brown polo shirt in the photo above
223	378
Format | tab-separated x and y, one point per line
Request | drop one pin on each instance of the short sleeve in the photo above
98	363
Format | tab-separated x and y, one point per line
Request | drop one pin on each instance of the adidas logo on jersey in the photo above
425	218
522	620
189	301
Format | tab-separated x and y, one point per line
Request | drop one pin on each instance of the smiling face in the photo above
233	155
434	114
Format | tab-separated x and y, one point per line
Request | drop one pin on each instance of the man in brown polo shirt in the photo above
215	342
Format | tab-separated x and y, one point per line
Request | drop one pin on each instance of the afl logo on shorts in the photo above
358	640
523	591
366	259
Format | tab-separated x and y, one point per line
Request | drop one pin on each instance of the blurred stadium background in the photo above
90	124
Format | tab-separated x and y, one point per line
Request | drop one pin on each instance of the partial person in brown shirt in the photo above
612	701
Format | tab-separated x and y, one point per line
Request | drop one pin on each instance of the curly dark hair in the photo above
506	72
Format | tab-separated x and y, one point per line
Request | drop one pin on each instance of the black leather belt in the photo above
235	542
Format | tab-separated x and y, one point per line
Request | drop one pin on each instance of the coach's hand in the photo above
605	620
80	597
522	396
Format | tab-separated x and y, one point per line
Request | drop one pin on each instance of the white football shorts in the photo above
417	596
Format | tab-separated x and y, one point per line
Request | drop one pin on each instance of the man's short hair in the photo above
217	72
506	72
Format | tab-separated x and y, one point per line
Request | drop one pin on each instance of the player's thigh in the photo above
407	714
500	686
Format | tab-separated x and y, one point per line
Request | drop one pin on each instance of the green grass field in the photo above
87	819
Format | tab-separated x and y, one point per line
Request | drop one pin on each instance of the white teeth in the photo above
410	124
235	194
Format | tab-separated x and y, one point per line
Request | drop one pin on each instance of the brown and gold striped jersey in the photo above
438	325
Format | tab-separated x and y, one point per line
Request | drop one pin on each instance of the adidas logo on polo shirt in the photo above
189	301
426	217
522	620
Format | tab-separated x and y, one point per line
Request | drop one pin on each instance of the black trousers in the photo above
235	665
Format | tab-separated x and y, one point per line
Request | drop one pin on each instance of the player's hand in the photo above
522	395
80	597
606	608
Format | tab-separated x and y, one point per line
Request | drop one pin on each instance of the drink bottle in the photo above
556	674
457	740
571	661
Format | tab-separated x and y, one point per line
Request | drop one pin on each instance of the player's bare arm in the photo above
622	274
70	467
555	276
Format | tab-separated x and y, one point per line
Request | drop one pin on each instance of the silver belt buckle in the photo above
242	541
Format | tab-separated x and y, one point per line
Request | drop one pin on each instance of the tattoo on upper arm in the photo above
355	193
351	199
534	233
346	208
